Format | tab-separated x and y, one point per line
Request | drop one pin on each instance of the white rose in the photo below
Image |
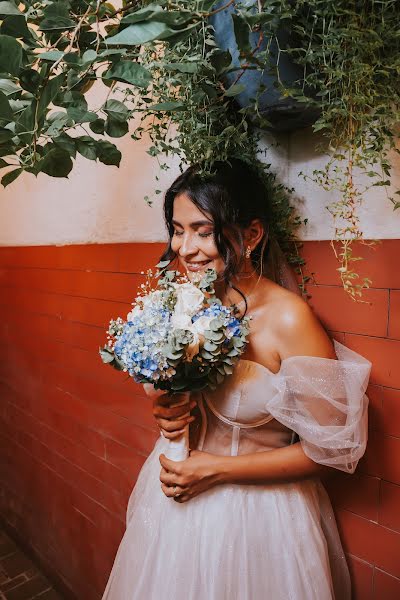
189	299
201	324
181	321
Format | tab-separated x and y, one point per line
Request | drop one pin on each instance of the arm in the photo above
202	470
281	465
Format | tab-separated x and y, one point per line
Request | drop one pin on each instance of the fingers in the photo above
172	412
174	426
174	435
174	491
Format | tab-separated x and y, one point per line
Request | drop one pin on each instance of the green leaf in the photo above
51	55
6	113
30	80
129	72
116	110
168	106
97	126
57	121
221	61
8	87
56	17
50	91
5	135
8	8
10	177
141	33
88	57
86	146
116	129
67	143
16	27
235	89
191	67
10	55
56	163
242	33
142	14
108	153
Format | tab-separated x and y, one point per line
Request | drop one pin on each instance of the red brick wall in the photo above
74	434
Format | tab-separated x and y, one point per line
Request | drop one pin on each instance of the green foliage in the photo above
164	77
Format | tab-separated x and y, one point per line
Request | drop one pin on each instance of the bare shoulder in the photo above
295	327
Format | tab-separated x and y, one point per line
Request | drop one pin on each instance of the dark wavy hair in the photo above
233	195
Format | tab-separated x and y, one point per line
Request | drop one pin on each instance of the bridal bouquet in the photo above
178	337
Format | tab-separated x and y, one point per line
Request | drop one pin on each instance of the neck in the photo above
245	281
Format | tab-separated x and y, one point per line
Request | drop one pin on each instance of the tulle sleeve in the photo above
324	402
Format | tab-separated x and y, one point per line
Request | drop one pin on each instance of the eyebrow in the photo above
195	224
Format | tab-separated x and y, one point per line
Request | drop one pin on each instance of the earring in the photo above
248	252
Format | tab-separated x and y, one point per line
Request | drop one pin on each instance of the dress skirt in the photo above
232	542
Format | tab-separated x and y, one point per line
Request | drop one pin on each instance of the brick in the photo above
386	587
338	312
124	458
391	412
7	546
394	314
119	287
375	407
134	258
382	457
50	594
16	564
380	264
357	493
361	578
370	462
29	589
384	355
389	513
370	542
99	257
9	584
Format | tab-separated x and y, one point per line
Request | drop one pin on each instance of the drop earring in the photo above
248	252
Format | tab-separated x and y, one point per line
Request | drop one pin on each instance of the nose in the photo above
187	246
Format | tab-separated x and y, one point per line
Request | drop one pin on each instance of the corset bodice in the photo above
236	419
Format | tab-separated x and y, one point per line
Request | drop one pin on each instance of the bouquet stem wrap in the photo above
178	449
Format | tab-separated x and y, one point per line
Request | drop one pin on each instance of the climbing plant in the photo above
166	77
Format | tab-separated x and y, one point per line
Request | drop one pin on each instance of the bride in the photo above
246	517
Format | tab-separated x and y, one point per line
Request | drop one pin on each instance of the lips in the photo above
196	266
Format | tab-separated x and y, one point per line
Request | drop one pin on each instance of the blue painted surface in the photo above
285	114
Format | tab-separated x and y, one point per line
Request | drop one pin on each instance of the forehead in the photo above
186	212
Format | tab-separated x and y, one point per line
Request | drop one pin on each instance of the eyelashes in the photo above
202	235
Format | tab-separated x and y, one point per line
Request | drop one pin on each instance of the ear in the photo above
253	234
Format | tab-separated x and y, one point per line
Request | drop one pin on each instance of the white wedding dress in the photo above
252	542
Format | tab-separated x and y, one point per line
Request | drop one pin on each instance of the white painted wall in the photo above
103	204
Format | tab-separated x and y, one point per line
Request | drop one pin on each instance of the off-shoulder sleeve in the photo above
324	401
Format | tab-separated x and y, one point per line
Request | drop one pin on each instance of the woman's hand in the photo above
186	479
170	419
